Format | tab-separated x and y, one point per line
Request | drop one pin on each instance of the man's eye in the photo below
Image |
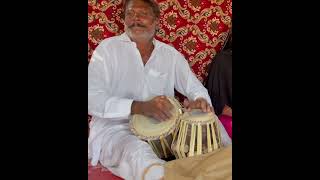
130	13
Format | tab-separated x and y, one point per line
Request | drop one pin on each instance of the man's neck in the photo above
145	48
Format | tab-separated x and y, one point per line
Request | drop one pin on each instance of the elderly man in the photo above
131	74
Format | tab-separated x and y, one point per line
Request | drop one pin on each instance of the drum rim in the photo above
148	138
199	119
164	134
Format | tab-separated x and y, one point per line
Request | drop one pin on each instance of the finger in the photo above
186	103
163	116
164	106
167	104
167	112
208	108
203	105
158	98
167	108
196	105
193	104
164	103
212	109
162	110
158	117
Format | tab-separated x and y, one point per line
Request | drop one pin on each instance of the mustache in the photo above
136	25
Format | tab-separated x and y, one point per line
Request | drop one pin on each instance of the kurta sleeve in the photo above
186	81
101	103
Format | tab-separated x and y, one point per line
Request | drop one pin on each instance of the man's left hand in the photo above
199	103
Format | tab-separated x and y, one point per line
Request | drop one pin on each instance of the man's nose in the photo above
136	16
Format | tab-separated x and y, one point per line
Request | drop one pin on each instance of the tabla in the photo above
198	133
158	134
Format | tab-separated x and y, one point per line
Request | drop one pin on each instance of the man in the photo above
131	74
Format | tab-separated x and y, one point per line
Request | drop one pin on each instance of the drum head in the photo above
148	128
196	115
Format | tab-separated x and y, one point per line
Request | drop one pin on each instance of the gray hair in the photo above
153	4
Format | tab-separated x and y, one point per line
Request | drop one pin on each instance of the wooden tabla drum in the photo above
198	133
158	134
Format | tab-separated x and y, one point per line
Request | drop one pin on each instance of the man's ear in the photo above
157	22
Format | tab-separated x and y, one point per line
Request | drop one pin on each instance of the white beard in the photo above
146	36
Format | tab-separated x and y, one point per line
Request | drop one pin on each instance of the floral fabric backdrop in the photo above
196	28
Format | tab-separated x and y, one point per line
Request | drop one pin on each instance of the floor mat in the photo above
100	173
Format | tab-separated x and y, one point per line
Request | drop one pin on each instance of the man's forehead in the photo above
138	5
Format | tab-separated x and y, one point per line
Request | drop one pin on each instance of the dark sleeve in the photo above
219	81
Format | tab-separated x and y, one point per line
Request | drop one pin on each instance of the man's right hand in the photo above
159	108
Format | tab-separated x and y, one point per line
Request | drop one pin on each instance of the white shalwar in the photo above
116	77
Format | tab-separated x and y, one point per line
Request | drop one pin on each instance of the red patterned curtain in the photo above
196	28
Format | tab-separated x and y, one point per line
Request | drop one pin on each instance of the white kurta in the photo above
116	77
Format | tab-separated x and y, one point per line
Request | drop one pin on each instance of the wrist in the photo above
136	107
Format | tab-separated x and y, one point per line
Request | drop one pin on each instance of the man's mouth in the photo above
136	25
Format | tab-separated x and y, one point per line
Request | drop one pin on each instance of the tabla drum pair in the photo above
185	134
